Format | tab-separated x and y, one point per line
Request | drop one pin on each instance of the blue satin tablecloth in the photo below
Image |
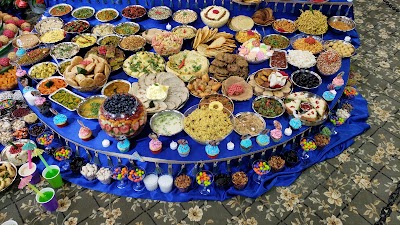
355	125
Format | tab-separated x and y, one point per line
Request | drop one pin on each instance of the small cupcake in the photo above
60	120
263	138
212	149
84	132
246	144
123	146
295	122
155	145
338	81
183	148
329	95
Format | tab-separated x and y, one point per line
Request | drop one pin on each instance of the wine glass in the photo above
137	175
119	174
260	168
205	178
63	155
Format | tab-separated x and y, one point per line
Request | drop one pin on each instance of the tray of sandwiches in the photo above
311	109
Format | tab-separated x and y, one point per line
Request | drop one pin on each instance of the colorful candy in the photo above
261	167
204	178
308	144
62	153
45	139
120	173
136	175
337	121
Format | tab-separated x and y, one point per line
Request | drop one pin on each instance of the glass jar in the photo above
122	116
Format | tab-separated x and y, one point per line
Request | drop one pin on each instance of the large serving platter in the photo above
240	107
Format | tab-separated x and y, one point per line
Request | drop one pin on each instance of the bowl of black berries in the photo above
122	116
76	164
222	180
291	158
306	79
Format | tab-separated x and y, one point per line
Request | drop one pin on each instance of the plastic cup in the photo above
151	182
55	179
165	182
24	171
49	201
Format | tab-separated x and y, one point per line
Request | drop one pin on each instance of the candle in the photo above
165	182
150	181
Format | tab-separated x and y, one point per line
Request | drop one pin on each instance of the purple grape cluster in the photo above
120	104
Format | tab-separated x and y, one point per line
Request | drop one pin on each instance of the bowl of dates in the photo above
306	79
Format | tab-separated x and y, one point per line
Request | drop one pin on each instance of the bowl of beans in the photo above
284	26
134	12
107	14
341	24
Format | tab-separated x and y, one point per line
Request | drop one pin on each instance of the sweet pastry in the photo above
173	145
329	95
212	149
183	148
246	144
295	123
155	145
239	23
203	86
263	17
123	146
60	120
237	88
230	146
263	138
215	16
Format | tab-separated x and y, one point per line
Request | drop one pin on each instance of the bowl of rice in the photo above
208	122
301	59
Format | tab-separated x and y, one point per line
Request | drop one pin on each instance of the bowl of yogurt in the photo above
167	122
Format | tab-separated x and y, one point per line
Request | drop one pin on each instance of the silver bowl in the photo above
40	25
84	34
62	4
166	112
76	32
183	11
134	18
326	46
204	142
111	35
343	19
15	42
105	9
74	51
272	35
284	32
265	88
299	36
39	64
160	7
79	108
249	113
83	7
306	71
133	24
135	49
16	173
50	78
270	97
185	26
101	25
59	65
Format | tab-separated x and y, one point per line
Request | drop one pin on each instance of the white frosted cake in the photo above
215	16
